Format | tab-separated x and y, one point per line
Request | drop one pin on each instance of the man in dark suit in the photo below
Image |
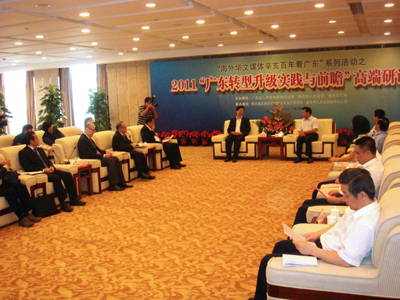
238	128
19	138
87	149
120	142
171	149
34	159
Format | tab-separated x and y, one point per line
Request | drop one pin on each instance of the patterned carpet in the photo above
195	233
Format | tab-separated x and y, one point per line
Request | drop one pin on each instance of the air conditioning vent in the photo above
356	8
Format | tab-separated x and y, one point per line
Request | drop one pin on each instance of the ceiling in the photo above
114	23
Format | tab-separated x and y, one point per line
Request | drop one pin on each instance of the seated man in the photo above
120	142
238	128
87	149
171	149
18	198
19	139
380	133
51	134
307	134
365	151
34	159
379	114
345	243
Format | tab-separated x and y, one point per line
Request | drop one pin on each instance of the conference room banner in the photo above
200	94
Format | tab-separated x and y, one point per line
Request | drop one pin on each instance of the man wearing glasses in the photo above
88	150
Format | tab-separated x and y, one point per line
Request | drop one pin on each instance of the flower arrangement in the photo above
205	134
164	134
194	135
175	133
183	134
215	132
344	135
279	121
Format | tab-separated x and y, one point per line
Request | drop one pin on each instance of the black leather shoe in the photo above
234	160
115	188
310	160
227	159
175	167
181	165
65	207
146	176
126	186
77	203
298	160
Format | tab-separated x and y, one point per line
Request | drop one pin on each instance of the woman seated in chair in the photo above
51	134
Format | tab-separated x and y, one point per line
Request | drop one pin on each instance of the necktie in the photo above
38	154
97	151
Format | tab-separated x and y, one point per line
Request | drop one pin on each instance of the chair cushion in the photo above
70	131
70	145
103	139
135	133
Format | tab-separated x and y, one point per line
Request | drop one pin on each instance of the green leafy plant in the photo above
4	115
98	107
52	106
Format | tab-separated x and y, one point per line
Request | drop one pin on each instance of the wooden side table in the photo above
84	172
270	141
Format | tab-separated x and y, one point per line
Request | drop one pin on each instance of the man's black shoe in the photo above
227	159
115	188
298	160
65	207
124	185
234	160
181	165
146	176
77	203
310	160
175	167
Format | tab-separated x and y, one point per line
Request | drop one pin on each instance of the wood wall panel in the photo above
112	92
133	101
123	110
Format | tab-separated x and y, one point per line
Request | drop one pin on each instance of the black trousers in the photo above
18	198
140	161
236	140
282	247
308	139
66	177
115	175
173	153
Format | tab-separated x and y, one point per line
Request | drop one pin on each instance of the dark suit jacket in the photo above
121	143
148	135
244	126
87	149
50	139
19	139
30	162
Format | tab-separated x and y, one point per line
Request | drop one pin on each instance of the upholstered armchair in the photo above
248	148
325	147
6	140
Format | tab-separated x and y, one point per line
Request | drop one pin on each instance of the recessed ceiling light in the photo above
13	64
387	33
150	5
332	21
260	42
39	36
145	27
38	52
389	5
72	48
43	5
121	53
44	57
84	14
134	49
233	32
136	39
19	43
292	35
275	26
319	5
248	12
172	45
89	56
94	43
388	21
185	37
85	30
220	45
200	21
341	32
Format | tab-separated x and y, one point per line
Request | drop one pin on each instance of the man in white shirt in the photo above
345	243
307	134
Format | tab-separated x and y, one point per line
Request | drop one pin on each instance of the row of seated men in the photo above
347	242
33	158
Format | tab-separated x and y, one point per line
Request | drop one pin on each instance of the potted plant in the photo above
205	137
4	115
280	121
195	135
183	137
164	135
215	132
52	106
98	107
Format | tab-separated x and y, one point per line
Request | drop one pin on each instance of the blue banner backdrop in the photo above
200	94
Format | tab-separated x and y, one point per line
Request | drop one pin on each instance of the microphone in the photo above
56	156
69	157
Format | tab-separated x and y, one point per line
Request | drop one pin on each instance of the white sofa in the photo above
6	140
248	148
325	147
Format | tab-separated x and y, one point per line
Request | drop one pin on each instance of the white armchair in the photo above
248	148
325	147
6	140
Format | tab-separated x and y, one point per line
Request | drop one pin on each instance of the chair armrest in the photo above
218	138
304	228
158	146
332	137
290	138
334	175
67	168
251	138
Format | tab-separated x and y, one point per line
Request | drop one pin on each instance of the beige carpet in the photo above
195	233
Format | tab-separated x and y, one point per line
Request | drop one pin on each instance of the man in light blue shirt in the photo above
380	133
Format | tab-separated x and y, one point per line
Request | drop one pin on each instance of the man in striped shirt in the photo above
146	110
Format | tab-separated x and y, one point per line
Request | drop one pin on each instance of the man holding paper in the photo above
345	243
